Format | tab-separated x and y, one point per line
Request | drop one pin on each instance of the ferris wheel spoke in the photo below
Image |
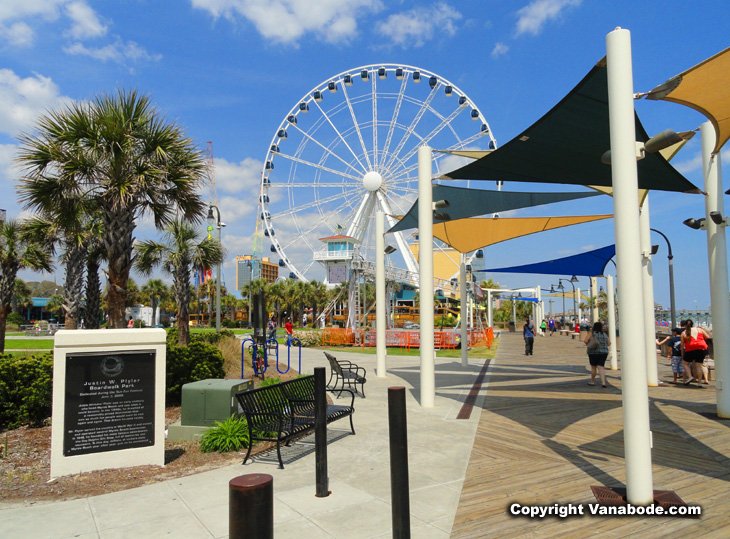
312	204
417	118
357	126
284	185
375	120
396	112
425	140
326	149
344	141
319	167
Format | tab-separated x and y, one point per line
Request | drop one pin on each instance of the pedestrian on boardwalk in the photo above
674	343
695	350
543	327
597	345
289	330
528	332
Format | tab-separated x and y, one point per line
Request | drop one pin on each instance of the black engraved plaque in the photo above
110	401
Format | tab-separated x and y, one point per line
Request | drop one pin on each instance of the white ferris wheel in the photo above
347	149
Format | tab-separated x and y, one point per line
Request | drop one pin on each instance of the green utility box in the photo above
207	401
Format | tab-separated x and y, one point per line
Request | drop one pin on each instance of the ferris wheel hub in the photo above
372	181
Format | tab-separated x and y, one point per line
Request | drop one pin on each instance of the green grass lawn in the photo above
23	353
28	344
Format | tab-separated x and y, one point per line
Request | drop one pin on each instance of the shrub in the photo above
230	435
14	318
211	337
185	364
270	382
309	338
26	390
228	324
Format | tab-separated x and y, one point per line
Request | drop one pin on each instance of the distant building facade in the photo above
245	270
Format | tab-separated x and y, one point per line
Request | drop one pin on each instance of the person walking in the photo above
674	343
597	345
551	326
543	327
528	332
695	350
289	330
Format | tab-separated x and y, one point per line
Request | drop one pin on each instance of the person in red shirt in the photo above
289	330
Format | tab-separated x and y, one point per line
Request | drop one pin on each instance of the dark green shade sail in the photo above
465	202
565	146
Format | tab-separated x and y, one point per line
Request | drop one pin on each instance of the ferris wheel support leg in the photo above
425	272
380	316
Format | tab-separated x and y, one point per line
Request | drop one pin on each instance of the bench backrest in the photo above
300	389
334	364
258	404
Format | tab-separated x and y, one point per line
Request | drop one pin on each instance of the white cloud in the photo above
419	25
86	23
23	100
238	178
533	16
7	166
18	34
499	49
19	9
118	51
286	21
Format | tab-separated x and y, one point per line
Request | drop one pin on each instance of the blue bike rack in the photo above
288	355
253	357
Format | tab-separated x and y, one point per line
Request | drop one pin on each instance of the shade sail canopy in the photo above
705	89
587	264
567	294
565	146
466	235
464	202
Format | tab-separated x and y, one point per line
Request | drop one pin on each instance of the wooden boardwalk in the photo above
546	437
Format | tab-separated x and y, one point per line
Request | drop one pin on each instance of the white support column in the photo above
717	258
540	308
464	312
490	310
380	316
595	316
611	300
647	284
425	276
578	310
637	436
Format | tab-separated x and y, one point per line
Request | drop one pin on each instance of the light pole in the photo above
572	280
216	220
562	290
670	257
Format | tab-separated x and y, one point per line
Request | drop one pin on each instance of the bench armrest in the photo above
345	390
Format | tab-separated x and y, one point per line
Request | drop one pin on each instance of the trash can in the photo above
512	327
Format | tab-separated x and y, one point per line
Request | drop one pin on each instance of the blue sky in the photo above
230	71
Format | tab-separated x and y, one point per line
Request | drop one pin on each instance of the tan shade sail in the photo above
446	262
568	295
466	235
705	89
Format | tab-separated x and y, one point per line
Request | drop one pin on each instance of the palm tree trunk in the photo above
74	285
118	242
93	294
181	286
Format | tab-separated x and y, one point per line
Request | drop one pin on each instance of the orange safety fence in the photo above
403	339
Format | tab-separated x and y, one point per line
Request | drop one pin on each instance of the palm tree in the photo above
119	154
178	254
17	252
94	256
21	296
156	291
319	299
65	227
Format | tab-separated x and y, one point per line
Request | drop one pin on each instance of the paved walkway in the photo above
359	472
545	437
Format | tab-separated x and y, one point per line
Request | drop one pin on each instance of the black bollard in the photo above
320	433
251	506
399	490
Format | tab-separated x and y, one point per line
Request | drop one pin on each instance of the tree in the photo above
21	296
17	252
178	254
120	155
156	291
319	299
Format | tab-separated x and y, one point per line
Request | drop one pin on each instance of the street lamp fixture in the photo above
389	250
216	220
670	257
572	280
696	224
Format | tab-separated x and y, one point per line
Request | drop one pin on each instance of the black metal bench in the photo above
282	412
347	373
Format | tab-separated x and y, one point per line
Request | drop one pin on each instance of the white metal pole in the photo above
425	275
595	315
464	313
576	305
380	317
540	307
611	300
717	258
637	436
490	310
647	280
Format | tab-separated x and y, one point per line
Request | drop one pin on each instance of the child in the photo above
674	343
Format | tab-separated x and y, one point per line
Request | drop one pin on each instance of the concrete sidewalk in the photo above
358	466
